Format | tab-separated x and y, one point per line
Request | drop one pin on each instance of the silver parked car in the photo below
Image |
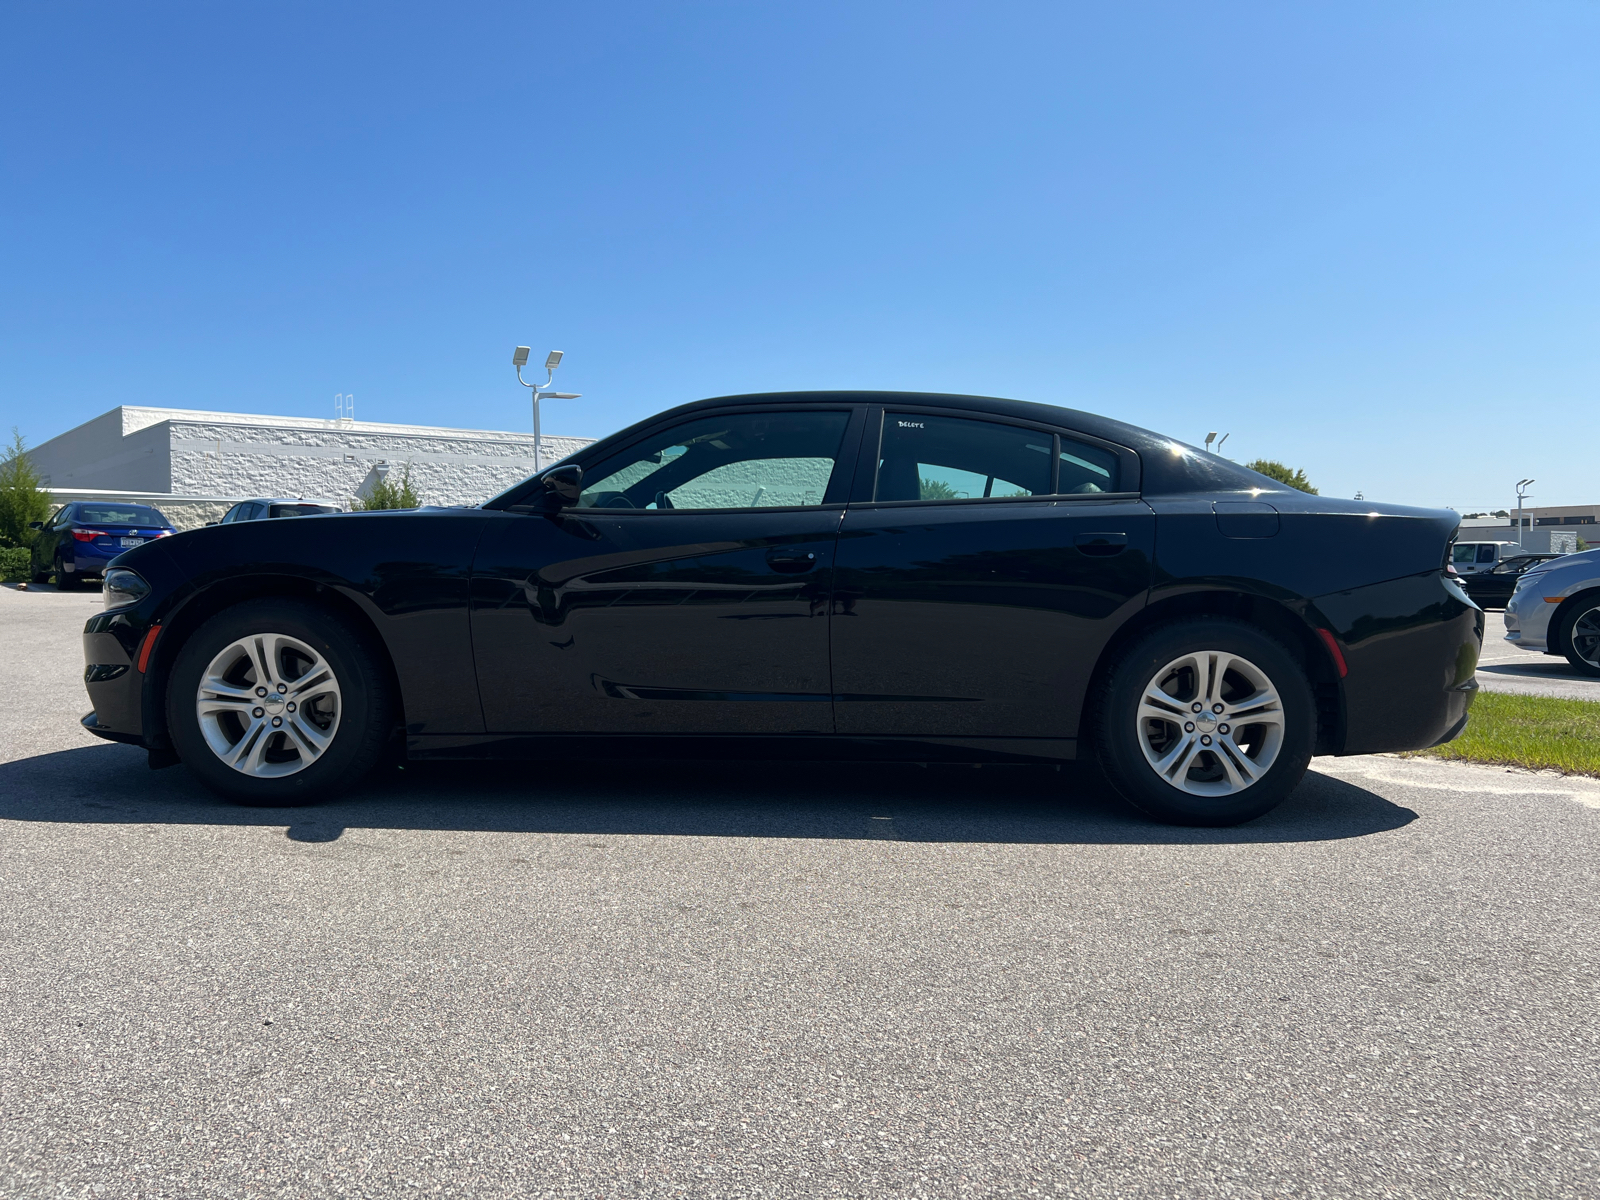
262	510
1555	609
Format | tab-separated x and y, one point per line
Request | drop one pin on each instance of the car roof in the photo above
286	500
1167	465
1029	410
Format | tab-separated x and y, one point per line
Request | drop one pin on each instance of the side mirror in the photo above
558	487
35	524
565	481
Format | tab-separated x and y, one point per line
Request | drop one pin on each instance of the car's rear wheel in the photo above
277	702
1580	636
66	581
1207	721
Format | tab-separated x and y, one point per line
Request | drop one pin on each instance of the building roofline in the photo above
142	417
136	417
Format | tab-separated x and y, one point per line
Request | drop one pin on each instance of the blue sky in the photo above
1361	238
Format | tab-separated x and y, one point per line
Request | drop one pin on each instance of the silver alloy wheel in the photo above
1585	637
268	705
1210	723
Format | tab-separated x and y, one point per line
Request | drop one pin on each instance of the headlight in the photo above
123	587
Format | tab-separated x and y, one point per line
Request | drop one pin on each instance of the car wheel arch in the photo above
1263	612
1557	628
207	602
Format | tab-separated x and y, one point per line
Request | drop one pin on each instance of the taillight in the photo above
1450	569
89	535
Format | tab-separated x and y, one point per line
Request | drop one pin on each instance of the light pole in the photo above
519	359
1522	494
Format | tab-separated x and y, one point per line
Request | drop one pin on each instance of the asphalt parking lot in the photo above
781	980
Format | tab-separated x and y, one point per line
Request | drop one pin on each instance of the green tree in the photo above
21	501
1276	470
387	494
937	489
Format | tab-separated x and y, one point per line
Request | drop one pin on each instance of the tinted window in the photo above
300	510
119	514
924	457
1486	554
744	460
1086	469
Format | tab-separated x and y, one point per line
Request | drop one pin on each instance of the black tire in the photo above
1577	641
1120	736
365	713
65	580
41	577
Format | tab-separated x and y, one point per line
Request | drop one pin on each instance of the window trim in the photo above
867	464
834	497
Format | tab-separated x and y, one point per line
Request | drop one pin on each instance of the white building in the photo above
1544	530
193	464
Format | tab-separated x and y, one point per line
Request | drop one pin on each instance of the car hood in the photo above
1585	562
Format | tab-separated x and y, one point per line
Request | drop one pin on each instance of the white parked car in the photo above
1471	558
1556	610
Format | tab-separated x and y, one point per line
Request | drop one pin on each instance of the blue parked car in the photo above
79	542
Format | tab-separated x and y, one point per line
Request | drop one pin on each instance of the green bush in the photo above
21	501
386	495
16	564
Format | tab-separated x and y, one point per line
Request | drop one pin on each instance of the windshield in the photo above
300	510
120	514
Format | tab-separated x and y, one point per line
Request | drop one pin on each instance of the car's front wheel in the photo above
277	702
1207	721
1580	636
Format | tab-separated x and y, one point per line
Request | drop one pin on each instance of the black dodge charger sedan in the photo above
809	575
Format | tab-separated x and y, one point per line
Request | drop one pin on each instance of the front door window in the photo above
743	460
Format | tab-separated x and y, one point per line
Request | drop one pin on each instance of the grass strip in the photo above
1540	732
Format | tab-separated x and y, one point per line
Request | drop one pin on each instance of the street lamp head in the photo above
563	395
519	356
554	361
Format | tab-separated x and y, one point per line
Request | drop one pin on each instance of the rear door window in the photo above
924	456
1486	554
927	457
